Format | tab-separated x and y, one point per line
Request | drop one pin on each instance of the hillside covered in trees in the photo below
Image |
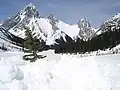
105	40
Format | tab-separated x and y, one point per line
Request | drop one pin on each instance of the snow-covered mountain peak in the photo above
111	23
30	10
52	17
31	5
85	29
114	19
53	21
116	16
83	19
84	23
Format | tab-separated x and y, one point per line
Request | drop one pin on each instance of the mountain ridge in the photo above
44	27
55	32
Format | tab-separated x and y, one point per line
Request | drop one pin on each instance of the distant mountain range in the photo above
50	29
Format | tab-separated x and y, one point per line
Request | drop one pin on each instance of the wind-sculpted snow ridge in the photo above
59	72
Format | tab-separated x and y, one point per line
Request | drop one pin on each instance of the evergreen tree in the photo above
3	48
31	46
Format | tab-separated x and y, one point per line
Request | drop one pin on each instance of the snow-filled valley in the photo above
89	58
59	72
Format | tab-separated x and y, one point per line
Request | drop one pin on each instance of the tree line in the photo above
108	39
32	46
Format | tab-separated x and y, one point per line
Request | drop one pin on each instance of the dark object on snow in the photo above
32	45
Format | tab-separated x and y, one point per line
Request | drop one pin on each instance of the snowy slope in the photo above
7	44
59	72
69	29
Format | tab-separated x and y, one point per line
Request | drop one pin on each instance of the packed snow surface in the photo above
59	72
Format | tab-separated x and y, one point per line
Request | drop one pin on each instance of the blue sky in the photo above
69	11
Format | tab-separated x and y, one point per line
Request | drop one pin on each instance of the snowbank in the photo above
60	72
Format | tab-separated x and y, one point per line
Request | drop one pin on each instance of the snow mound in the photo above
17	85
78	74
60	72
8	72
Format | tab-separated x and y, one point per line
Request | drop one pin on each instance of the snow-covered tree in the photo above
32	46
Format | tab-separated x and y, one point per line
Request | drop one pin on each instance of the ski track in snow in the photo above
59	72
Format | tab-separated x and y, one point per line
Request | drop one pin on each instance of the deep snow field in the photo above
59	72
